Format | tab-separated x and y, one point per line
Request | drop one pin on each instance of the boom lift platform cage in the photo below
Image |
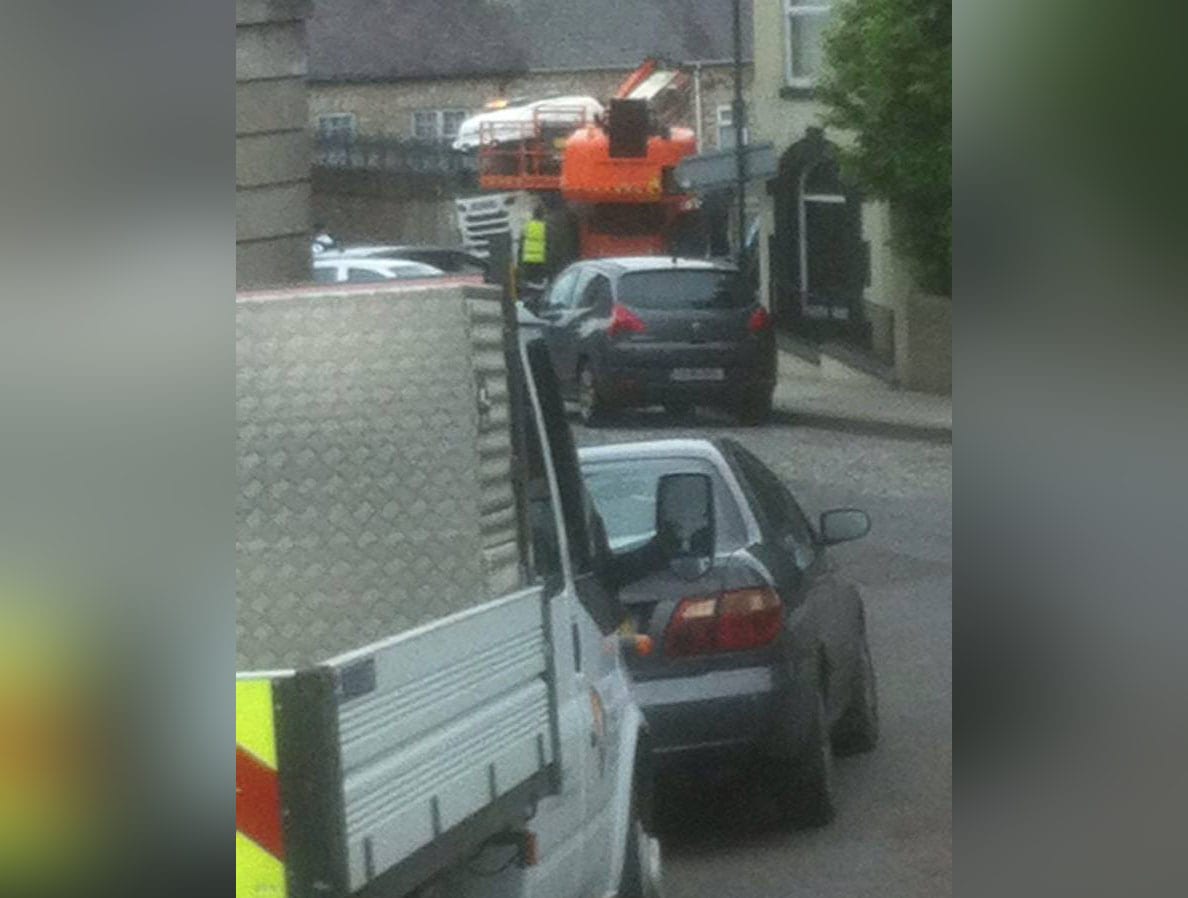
528	155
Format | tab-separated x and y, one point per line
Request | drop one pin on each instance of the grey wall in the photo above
272	157
382	207
381	219
924	343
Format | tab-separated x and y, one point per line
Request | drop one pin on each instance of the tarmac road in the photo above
893	833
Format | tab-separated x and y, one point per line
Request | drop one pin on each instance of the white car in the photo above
450	259
348	270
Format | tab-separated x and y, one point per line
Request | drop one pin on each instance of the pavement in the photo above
809	394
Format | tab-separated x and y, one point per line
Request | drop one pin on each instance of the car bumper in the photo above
718	710
654	385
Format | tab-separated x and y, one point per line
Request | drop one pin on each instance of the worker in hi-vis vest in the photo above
534	248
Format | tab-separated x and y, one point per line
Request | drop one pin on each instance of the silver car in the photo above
760	647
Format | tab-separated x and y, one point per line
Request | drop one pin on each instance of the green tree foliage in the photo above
889	83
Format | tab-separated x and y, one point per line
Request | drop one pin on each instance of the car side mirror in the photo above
841	525
685	523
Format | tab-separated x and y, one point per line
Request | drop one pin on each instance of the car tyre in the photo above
755	408
807	800
591	407
642	875
858	731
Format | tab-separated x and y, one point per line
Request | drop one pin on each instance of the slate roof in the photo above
379	40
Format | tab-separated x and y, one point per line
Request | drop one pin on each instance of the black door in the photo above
819	262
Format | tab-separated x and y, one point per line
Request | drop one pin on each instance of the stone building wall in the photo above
377	207
373	207
387	108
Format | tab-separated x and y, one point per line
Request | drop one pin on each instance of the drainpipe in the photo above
739	114
697	102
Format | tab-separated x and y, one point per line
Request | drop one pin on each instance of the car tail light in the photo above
748	618
737	620
691	630
760	321
624	321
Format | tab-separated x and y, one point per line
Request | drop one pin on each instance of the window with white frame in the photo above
438	124
425	124
337	126
725	127
450	120
725	123
804	24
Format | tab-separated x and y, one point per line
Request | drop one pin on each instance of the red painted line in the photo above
257	803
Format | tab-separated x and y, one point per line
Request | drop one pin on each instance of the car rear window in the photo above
683	290
624	493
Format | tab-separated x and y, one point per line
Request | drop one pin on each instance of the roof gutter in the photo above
628	68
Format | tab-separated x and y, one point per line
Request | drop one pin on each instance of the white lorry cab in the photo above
431	698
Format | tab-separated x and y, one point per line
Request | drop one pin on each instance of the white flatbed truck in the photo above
430	697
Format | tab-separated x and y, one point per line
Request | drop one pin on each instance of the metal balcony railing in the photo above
393	155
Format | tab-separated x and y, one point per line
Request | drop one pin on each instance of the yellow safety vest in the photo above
533	250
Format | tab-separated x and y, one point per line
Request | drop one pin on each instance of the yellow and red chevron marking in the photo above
259	836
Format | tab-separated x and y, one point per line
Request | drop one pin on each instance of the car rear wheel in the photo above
591	406
755	408
859	729
807	786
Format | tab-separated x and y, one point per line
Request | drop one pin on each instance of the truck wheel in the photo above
859	728
591	406
807	787
755	408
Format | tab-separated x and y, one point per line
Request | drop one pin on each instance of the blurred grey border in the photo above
116	396
116	365
1070	534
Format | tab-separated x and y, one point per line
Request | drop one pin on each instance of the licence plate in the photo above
687	374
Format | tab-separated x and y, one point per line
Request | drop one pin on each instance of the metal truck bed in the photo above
398	759
374	466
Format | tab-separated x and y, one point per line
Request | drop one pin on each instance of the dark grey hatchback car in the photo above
654	330
759	641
